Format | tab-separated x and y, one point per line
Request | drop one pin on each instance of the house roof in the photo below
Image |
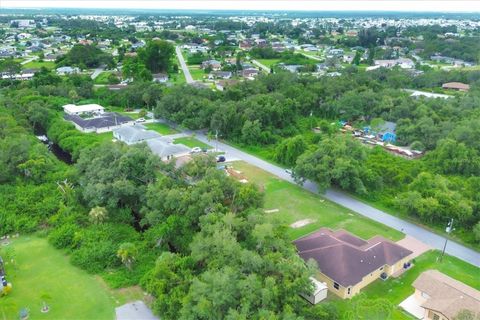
135	133
456	85
163	148
447	295
82	108
345	258
106	120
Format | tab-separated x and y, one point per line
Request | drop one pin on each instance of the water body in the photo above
54	148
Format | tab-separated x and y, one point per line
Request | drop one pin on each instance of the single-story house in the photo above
320	291
443	298
167	150
83	109
348	263
103	123
213	64
134	134
160	77
250	73
456	86
220	75
67	70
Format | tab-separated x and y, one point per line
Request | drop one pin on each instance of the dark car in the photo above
221	159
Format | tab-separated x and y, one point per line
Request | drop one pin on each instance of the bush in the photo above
63	236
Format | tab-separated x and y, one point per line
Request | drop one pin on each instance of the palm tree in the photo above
127	253
98	215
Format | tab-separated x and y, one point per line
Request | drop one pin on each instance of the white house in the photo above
67	70
134	134
320	291
86	108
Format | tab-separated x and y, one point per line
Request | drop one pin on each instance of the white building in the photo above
320	291
86	108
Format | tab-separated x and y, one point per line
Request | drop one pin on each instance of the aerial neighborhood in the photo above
239	164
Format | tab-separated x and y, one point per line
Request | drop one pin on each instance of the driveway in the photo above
414	245
137	310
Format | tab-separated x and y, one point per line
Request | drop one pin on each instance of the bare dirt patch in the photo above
301	223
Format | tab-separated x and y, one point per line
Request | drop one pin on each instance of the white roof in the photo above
83	108
319	286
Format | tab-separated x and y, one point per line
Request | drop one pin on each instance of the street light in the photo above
448	230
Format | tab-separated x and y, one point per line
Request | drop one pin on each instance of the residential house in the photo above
67	70
167	150
250	73
220	75
456	86
103	123
348	263
160	77
439	297
72	109
134	134
212	64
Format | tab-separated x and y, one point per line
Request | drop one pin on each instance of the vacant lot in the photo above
39	64
40	269
295	204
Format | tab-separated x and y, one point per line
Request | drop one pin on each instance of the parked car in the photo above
289	171
196	150
140	120
221	159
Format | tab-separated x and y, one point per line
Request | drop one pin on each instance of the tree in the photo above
156	56
290	149
98	215
127	252
10	67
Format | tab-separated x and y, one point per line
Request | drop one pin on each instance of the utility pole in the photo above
216	140
448	230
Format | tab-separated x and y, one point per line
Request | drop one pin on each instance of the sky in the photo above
262	5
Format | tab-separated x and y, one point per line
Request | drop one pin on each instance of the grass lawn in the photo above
161	128
74	293
37	65
197	73
102	78
192	143
295	203
268	62
398	289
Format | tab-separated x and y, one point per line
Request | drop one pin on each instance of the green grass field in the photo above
102	78
191	142
161	128
294	204
41	268
37	65
197	73
268	62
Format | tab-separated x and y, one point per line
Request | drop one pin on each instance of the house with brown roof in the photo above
456	86
443	298
348	263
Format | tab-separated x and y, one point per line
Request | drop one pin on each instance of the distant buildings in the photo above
456	86
72	109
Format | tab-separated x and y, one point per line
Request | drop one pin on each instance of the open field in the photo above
268	62
295	204
40	268
161	128
196	72
37	65
191	142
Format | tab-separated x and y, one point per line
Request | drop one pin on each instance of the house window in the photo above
436	316
348	291
336	285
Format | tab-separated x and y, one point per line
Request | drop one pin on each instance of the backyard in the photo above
161	128
74	294
39	64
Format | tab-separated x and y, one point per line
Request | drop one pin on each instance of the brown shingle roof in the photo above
447	295
456	85
345	258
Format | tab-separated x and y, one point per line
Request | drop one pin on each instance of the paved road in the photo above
97	72
261	65
428	237
29	60
312	57
186	72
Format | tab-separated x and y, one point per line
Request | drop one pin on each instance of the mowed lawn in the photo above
161	128
191	142
40	268
268	62
294	203
35	64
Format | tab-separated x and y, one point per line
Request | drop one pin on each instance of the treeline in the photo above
276	114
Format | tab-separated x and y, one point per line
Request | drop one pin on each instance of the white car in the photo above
196	150
140	120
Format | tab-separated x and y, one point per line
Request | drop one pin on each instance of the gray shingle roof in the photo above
104	121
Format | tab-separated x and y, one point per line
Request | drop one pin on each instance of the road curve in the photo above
430	238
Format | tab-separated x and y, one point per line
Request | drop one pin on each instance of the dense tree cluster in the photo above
85	56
